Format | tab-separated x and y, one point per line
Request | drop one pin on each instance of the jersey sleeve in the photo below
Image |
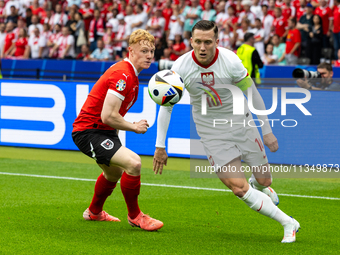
119	85
237	70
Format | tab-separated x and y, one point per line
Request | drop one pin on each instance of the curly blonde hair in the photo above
141	35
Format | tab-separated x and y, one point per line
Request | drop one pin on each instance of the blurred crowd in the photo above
100	29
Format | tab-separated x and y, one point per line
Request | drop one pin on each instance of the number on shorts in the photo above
259	142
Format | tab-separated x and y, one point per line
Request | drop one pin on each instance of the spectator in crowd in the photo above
267	21
336	26
258	32
288	11
20	45
87	13
123	33
238	7
301	9
232	19
305	25
46	32
246	13
271	7
20	24
279	50
293	43
114	21
35	23
316	35
48	18
326	83
2	37
192	15
250	57
100	53
256	8
221	16
176	23
156	24
239	33
37	45
96	30
84	54
178	48
28	17
70	3
209	13
279	24
59	17
108	40
167	13
53	40
140	18
2	11
36	9
9	4
226	37
9	39
129	17
159	48
268	57
79	31
65	45
326	15
71	22
13	16
103	11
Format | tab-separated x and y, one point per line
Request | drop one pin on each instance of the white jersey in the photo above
226	68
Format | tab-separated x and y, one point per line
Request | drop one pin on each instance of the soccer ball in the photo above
166	87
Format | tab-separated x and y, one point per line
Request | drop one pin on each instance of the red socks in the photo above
102	190
130	186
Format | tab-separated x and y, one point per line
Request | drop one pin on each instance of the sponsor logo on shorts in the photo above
121	84
107	144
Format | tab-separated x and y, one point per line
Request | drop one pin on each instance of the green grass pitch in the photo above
44	215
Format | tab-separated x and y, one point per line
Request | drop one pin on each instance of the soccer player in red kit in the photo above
95	132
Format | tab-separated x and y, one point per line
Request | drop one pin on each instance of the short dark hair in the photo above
206	25
293	20
325	65
247	36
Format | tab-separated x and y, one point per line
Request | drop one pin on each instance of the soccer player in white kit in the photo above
203	70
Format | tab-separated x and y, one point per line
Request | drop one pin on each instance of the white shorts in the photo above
245	142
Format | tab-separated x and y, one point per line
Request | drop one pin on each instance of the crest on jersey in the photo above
208	78
107	144
121	84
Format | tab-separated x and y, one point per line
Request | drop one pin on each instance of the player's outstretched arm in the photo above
268	137
110	116
160	157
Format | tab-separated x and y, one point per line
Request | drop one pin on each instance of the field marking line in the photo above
158	185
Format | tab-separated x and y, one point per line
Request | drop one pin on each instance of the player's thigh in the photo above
112	173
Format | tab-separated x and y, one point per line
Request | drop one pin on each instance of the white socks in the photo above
261	203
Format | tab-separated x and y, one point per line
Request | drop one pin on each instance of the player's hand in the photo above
160	158
141	127
271	142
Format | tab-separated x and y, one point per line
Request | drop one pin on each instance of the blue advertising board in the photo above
40	114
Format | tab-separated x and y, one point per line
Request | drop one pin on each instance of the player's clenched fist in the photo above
141	127
271	142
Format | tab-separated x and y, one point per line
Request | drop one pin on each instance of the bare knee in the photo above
134	166
264	181
239	191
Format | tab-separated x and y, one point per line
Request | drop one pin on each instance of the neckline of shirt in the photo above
210	64
134	68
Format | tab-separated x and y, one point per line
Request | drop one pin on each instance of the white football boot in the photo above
290	231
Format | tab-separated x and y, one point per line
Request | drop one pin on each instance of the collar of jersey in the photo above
134	68
209	65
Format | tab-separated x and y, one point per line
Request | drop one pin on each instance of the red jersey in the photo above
336	22
288	11
87	20
120	80
178	47
293	37
9	39
300	12
280	25
38	11
337	62
20	45
326	14
167	13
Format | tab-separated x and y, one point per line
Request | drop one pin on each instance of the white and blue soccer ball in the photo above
166	87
